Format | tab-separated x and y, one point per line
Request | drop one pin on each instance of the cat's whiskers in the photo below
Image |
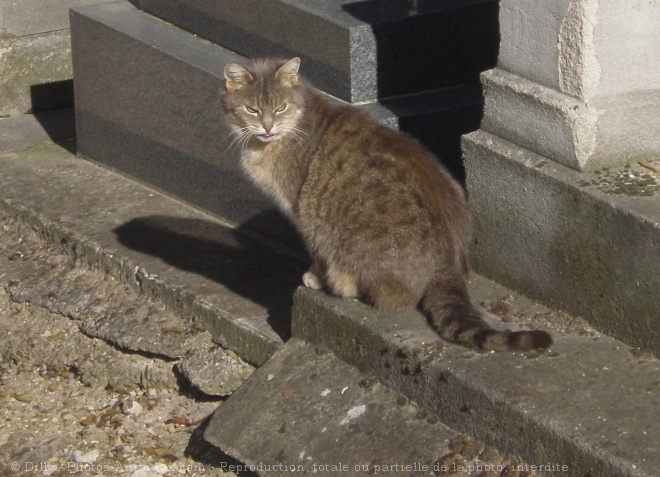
231	134
245	139
241	138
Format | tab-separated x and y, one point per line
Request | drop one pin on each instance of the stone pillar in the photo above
564	211
578	81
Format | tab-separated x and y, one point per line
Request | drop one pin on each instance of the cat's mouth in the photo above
266	137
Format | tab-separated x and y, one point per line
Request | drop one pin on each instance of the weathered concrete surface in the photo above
213	370
587	243
63	347
31	65
306	411
91	298
29	17
71	401
104	307
590	403
215	276
35	55
57	298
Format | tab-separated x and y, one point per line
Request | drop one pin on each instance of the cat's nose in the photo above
267	123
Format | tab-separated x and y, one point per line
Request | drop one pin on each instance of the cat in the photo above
381	218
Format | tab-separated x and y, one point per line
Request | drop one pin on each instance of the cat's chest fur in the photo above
267	167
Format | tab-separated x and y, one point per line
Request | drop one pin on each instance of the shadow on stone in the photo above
227	256
423	45
53	95
58	124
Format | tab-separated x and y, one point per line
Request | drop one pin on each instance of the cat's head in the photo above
263	99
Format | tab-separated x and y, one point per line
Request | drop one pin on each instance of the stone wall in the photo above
35	55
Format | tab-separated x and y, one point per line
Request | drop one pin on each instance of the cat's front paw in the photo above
310	280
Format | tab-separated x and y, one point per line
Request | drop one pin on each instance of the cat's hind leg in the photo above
392	295
313	278
342	283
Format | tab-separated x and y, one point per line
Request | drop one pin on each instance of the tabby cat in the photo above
381	218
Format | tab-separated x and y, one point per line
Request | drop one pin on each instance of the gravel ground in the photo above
74	404
53	423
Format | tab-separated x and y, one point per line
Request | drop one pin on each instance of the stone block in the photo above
587	243
305	411
147	104
577	84
604	132
357	51
213	370
35	70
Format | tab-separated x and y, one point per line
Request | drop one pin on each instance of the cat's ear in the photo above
236	77
288	72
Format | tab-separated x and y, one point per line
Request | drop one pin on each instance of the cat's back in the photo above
368	182
350	141
357	155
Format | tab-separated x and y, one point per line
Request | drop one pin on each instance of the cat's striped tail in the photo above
451	313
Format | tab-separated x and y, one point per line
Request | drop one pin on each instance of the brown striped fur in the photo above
381	218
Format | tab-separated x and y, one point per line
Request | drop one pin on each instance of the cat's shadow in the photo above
231	257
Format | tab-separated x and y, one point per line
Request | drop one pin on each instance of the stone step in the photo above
584	242
354	50
214	276
147	104
588	404
306	411
585	408
36	58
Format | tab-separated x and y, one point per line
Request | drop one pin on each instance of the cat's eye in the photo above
251	110
280	109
